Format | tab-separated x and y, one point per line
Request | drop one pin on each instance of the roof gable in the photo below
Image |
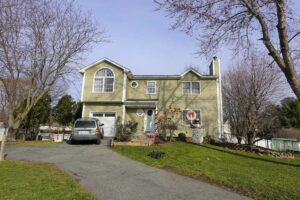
104	60
193	71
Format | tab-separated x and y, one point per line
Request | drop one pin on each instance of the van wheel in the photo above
98	141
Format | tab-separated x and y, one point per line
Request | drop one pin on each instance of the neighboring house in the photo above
110	90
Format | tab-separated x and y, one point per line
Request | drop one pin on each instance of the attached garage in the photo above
109	121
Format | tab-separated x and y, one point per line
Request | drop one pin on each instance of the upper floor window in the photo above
151	87
104	81
191	87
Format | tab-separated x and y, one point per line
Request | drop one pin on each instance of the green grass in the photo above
260	177
32	143
22	180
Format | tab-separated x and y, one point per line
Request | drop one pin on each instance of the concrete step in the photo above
106	141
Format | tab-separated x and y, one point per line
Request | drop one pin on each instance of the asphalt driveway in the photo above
110	176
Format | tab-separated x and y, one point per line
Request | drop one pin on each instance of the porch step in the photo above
106	141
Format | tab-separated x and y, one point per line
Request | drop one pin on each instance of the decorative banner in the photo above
191	115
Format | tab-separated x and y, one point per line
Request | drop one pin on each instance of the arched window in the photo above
104	81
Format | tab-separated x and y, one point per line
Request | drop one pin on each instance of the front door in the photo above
149	120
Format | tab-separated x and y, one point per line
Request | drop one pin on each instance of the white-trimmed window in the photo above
185	119
104	81
191	87
151	87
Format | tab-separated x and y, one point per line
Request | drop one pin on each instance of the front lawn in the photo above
260	177
32	143
27	181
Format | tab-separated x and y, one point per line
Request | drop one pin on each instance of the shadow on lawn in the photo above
252	157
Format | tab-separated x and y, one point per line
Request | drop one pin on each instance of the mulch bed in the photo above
256	149
157	154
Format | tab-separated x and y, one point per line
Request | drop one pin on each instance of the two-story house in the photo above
110	90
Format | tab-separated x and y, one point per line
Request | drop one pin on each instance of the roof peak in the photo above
102	60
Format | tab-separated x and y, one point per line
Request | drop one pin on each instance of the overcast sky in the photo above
141	40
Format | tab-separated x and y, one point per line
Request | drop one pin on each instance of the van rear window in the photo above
85	124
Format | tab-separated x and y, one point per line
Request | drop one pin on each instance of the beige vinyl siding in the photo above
168	92
116	95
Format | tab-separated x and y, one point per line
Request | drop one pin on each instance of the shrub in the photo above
208	139
159	140
119	126
130	127
125	131
168	120
182	137
122	137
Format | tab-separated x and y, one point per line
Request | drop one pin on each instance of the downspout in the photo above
220	102
81	98
83	110
124	97
82	87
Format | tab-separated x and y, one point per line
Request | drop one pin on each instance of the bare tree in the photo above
40	43
3	119
3	102
248	87
240	24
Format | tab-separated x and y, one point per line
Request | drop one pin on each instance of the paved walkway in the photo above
110	176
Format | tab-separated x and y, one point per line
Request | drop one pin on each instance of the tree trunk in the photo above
171	135
64	131
239	139
292	78
13	125
36	133
2	148
164	133
250	139
2	157
37	137
26	132
289	69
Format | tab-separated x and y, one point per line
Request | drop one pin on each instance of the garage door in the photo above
109	121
